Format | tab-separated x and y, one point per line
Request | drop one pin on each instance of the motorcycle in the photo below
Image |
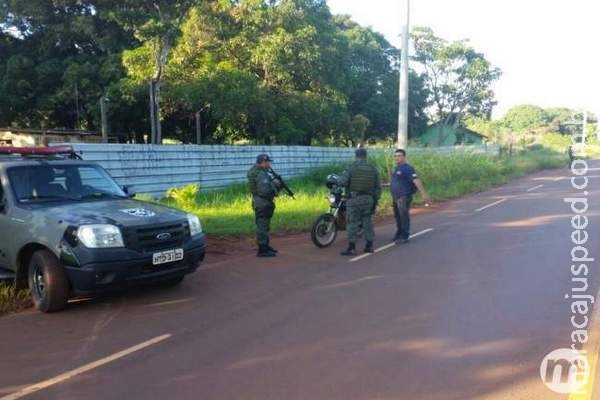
325	228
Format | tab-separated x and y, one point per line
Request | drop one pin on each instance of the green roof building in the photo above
450	135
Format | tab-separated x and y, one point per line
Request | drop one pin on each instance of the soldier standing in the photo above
364	190
264	189
571	155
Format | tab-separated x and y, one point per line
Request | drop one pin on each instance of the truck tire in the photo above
48	282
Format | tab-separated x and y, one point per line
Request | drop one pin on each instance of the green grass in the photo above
13	301
228	212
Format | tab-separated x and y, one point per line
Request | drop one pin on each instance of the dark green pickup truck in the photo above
67	228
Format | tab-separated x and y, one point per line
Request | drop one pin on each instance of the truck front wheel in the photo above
47	282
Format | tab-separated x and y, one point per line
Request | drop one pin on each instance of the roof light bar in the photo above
38	151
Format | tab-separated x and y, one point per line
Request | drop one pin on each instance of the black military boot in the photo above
263	251
272	250
350	251
369	248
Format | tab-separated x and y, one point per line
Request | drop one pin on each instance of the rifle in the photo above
284	186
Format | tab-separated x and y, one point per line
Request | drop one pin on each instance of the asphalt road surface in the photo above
467	310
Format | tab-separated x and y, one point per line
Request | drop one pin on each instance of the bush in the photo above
184	197
12	301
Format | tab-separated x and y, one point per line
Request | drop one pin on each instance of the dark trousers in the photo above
263	212
402	215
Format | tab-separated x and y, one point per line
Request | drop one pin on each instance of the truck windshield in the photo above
47	183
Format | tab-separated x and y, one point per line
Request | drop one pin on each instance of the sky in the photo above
548	51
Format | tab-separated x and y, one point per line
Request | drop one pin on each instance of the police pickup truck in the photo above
67	229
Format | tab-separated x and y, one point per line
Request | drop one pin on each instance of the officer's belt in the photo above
355	194
263	197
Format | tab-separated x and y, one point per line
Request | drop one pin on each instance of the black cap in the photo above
361	153
263	157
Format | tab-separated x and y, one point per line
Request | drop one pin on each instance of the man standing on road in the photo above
364	191
264	189
571	155
404	182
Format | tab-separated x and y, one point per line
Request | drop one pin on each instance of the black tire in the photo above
324	231
48	282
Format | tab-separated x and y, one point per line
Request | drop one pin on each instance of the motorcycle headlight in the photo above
195	226
332	198
100	236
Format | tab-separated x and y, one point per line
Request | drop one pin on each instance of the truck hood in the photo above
115	212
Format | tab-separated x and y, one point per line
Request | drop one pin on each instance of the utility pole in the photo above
152	114
103	119
198	127
77	107
403	89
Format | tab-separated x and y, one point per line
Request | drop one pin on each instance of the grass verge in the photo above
228	212
13	301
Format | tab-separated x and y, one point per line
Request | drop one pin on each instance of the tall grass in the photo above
12	300
228	212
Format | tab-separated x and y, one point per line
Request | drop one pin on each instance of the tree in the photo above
362	65
493	130
525	117
313	74
265	71
60	57
457	77
274	55
156	24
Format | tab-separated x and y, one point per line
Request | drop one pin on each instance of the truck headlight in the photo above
100	236
195	226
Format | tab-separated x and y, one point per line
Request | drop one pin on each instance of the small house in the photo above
450	135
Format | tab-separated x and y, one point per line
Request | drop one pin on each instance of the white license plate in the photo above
168	256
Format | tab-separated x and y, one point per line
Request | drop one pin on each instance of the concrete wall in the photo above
154	169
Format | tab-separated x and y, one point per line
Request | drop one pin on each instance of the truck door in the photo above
4	223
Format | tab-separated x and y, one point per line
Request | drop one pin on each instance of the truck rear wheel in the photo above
47	282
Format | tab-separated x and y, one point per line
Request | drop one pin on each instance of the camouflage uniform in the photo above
364	190
571	155
263	190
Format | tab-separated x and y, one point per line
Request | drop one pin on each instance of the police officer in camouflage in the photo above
264	188
364	190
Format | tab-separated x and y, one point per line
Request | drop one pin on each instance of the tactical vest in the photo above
362	178
252	175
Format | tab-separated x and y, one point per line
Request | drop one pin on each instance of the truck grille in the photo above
148	238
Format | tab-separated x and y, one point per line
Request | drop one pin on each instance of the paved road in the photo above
467	310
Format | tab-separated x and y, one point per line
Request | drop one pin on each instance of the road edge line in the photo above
491	205
36	387
594	348
535	187
385	247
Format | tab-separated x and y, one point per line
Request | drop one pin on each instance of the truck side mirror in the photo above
129	191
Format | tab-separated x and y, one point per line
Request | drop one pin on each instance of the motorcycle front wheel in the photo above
324	230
